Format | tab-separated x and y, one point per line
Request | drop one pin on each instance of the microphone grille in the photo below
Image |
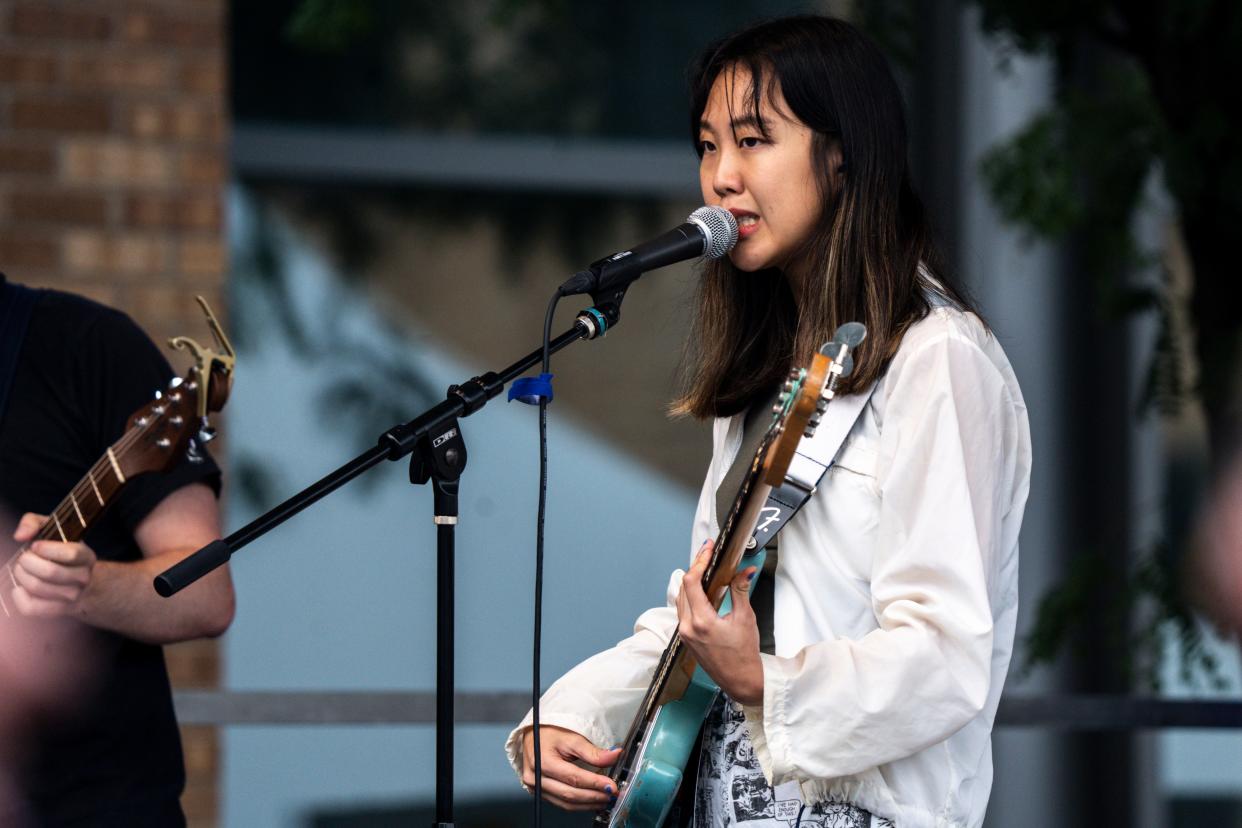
719	230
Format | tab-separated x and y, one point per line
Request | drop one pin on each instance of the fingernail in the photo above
752	575
608	789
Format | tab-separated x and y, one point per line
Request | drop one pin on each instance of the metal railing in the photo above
225	707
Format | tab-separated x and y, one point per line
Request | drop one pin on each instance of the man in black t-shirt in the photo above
115	758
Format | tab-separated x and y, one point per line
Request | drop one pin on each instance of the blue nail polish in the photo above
608	789
752	575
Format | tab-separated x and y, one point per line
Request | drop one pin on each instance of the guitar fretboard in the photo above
75	514
672	665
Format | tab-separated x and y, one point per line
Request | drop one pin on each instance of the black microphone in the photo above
708	231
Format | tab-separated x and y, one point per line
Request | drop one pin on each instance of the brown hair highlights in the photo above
872	236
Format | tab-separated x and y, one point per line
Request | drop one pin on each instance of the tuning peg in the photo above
159	395
812	423
206	434
175	382
778	407
192	452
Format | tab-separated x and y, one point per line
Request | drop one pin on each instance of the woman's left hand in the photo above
727	648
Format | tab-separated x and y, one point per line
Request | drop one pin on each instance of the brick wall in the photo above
113	159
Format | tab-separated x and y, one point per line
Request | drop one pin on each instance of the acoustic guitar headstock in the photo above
175	422
160	432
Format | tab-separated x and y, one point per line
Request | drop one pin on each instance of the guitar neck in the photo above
676	666
662	744
74	515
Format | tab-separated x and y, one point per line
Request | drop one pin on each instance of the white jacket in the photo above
896	595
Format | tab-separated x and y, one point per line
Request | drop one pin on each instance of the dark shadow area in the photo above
492	813
1195	812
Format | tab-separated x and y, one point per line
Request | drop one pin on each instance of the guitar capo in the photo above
210	364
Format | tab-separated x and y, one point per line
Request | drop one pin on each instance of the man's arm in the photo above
65	579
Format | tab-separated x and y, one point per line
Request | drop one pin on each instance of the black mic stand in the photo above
439	454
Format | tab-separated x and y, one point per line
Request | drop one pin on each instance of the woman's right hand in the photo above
565	784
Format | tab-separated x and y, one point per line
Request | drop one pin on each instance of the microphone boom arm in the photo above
394	444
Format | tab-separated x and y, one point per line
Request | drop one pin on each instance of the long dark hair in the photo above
873	234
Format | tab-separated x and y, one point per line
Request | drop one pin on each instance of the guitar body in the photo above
668	742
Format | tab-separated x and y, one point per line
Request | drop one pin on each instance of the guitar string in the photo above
65	510
98	470
668	659
672	651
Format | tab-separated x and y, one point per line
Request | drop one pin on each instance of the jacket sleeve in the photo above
944	474
600	696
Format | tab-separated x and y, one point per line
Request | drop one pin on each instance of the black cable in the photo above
543	502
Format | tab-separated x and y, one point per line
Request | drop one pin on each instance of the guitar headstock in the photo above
805	397
161	431
175	423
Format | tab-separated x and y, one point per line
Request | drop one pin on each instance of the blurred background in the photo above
383	193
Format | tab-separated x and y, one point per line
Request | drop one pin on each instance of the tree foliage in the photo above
1143	88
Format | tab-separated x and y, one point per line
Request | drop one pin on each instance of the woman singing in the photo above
860	686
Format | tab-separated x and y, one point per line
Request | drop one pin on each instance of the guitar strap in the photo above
816	455
811	461
16	304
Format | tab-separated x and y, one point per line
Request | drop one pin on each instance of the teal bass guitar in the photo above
654	753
